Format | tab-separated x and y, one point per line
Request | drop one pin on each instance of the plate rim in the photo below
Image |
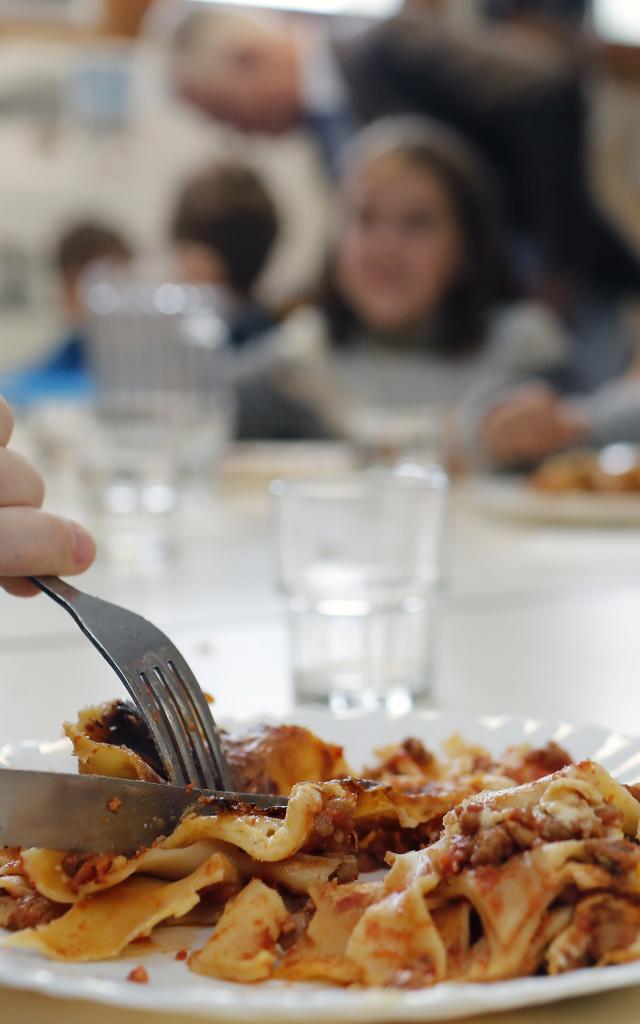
364	1005
510	498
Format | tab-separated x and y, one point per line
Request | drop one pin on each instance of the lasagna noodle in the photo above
101	926
322	952
382	803
243	944
604	929
511	902
396	941
15	886
262	837
12	879
96	758
453	921
9	855
44	869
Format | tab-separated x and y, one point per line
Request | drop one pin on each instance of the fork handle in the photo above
69	597
63	594
56	588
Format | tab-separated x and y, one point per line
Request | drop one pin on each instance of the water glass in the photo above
359	563
163	408
383	436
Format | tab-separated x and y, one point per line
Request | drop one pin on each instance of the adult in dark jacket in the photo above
518	96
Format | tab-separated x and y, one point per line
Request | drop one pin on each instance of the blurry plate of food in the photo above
582	487
558	832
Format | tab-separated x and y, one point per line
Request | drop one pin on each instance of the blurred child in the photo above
422	304
62	371
78	248
421	262
224	227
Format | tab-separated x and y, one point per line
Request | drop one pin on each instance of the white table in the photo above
538	621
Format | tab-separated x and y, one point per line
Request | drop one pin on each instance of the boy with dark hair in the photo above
63	371
227	212
77	248
225	224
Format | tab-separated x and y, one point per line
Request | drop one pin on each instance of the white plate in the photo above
172	988
514	499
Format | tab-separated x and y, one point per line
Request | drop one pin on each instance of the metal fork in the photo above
159	680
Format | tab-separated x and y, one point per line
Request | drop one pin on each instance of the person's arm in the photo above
515	415
612	412
526	424
32	542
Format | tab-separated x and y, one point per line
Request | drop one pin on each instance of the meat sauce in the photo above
520	830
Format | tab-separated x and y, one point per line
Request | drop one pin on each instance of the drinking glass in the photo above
162	410
383	436
359	562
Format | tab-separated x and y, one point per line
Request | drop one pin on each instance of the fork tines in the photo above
160	682
178	707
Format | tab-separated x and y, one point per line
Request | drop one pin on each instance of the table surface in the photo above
537	620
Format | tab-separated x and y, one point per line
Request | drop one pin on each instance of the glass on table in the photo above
393	406
391	437
359	562
162	410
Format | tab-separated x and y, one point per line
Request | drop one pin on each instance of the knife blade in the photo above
95	814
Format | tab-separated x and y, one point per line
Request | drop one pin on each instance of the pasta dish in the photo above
615	470
461	866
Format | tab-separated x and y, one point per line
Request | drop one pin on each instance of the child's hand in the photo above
530	425
32	542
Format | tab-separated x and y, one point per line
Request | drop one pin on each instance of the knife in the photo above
95	814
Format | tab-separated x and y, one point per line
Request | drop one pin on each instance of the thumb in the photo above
34	543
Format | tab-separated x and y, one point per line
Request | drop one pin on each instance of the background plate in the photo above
172	988
514	499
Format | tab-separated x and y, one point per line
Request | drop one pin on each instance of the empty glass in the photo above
163	406
359	560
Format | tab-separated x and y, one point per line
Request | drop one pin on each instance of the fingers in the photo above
533	435
18	587
6	422
574	425
503	434
34	543
524	430
20	483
